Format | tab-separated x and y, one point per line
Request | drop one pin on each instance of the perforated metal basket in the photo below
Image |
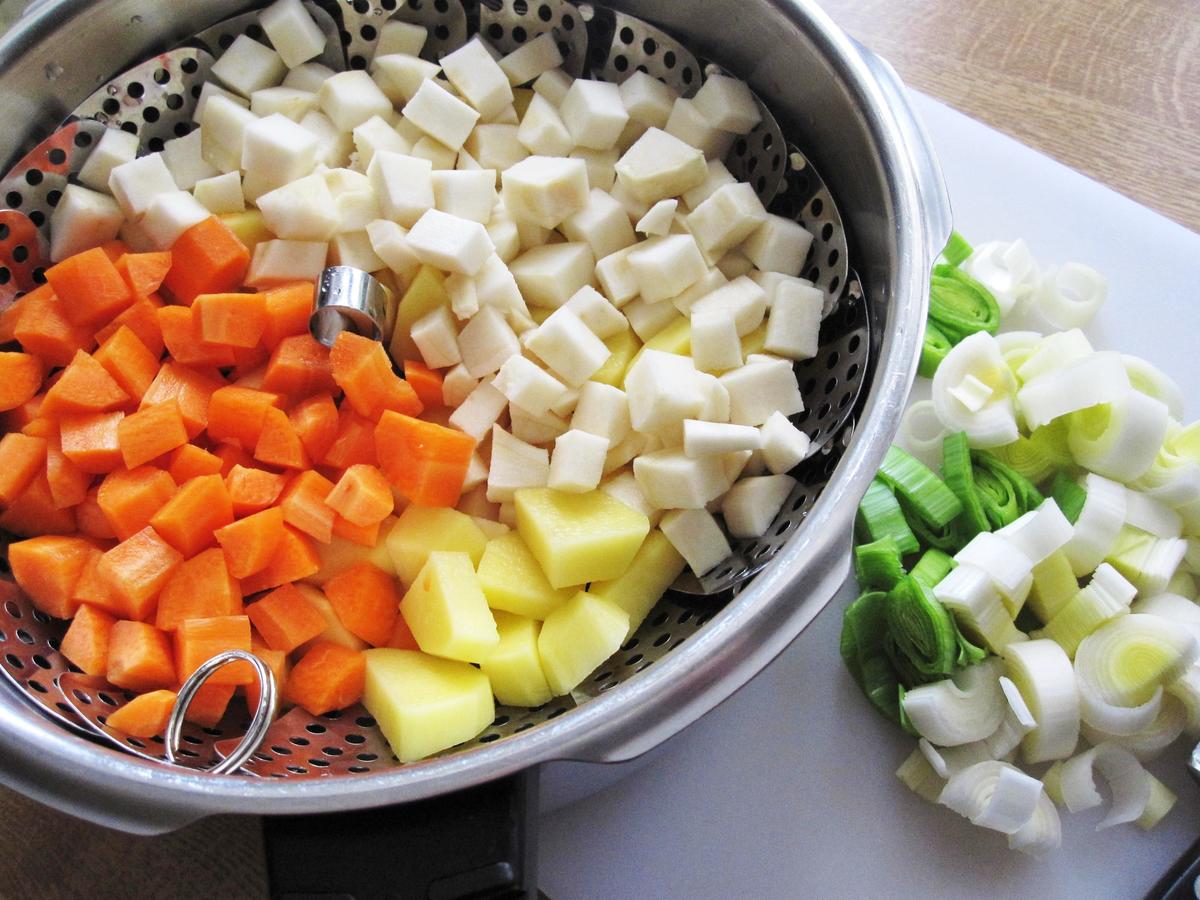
845	110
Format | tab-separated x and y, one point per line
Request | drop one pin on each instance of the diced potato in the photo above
424	704
579	636
623	347
421	530
513	581
654	568
446	610
334	631
579	538
249	226
515	666
426	293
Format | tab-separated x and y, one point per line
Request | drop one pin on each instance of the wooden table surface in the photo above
1109	87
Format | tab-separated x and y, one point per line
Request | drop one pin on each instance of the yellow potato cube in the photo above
675	338
624	346
515	666
426	293
513	581
340	554
446	610
249	226
577	637
755	341
578	538
421	530
652	571
423	704
334	631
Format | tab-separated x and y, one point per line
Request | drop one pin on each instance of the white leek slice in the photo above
972	393
1067	297
1149	562
1042	833
993	794
1053	352
1152	516
1010	569
1126	779
919	776
1040	532
1099	378
1171	606
995	423
1151	741
1119	439
1186	689
1158	804
958	710
949	761
973	599
1043	674
1098	525
1191	556
1017	346
1174	477
1007	269
1183	585
1154	383
1107	596
1018	721
921	433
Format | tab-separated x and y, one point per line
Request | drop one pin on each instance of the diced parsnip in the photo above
422	530
542	131
83	219
354	196
468	195
594	113
479	410
714	278
653	570
716	438
222	132
390	243
350	98
620	455
568	347
616	277
280	262
752	504
438	154
397	36
577	637
601	166
550	275
604	319
659	220
648	100
436	337
291	102
303	210
424	704
539	429
464	299
715	343
487	342
716	398
727	103
513	581
450	243
374	135
553	85
515	465
221	194
735	264
441	115
577	462
666	266
718	176
659	166
169	216
697	537
623	486
403	185
292	32
779	245
692	127
514	667
602	224
672	480
794	326
248	66
744	299
532	59
457	385
496	287
758	390
308	76
184	160
727	218
134	185
662	391
115	148
545	190
336	146
526	385
784	446
277	151
649	319
505	235
400	75
602	410
496	146
478	78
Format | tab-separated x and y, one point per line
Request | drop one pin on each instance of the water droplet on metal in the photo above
52	71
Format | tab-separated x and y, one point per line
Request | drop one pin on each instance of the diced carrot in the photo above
144	272
181	334
198	640
208	258
16	419
402	637
45	330
137	568
20	378
115	249
252	490
190	461
92	441
69	484
151	432
237	414
252	380
144	716
303	505
425	381
199	589
364	535
278	444
249	365
21	458
316	421
234	319
289	307
296	559
286	619
90	287
250	543
209	703
139	657
326	678
362	369
33	512
355	442
91	518
299	367
193	391
427	463
232	456
93	589
127	360
86	641
46	568
362	496
277	662
129	498
41	427
142	320
367	601
9	317
187	522
84	387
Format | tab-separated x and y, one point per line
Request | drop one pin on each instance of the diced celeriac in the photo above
602	410
571	350
335	146
577	462
277	151
353	248
545	190
660	165
450	243
751	505
486	342
716	177
308	76
697	537
374	135
779	245
438	154
744	299
479	410
604	319
135	184
170	215
302	211
616	277
515	465
602	224
457	385
82	219
531	59
436	336
478	78
663	391
496	146
115	147
727	218
287	101
468	195
400	75
713	279
648	319
350	98
390	243
441	115
784	446
659	219
553	84
709	438
222	130
185	161
397	36
715	342
542	131
495	287
647	99
248	66
279	262
666	266
464	298
550	275
594	113
759	390
728	104
536	428
292	32
692	127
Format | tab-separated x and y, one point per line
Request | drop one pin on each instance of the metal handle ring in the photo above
264	715
350	299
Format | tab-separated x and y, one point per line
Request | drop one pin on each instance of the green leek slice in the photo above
959	305
864	627
933	350
877	565
1069	495
958	250
932	567
880	516
960	478
915	482
921	630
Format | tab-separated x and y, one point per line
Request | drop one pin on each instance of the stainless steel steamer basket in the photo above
851	113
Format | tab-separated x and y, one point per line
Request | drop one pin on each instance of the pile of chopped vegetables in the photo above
1029	554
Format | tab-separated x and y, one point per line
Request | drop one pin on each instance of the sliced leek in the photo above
864	628
1010	569
1154	383
1127	780
1043	674
1106	597
1158	804
959	305
1007	269
1186	689
1042	833
1005	493
995	424
1054	586
1098	525
971	595
1152	740
958	250
932	567
949	761
993	794
877	565
1017	346
1053	352
934	348
1069	495
960	478
1067	297
921	489
1173	477
961	710
1098	378
1152	516
1039	533
879	517
919	776
1119	439
1148	562
921	433
922	632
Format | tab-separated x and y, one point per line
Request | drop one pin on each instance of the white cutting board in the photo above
787	789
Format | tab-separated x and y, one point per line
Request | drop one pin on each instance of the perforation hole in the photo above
189	66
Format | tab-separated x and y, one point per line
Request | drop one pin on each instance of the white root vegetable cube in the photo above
487	342
450	243
515	465
714	278
602	410
335	146
514	667
222	132
185	161
757	391
441	115
751	505
616	277
568	347
115	147
279	150
536	428
697	537
291	102
542	131
624	488
83	219
550	275
496	146
779	245
553	85
715	342
350	98
436	336
672	480
169	216
716	438
374	135
457	385
531	60
735	264
727	218
464	299
545	190
718	177
716	398
211	89
594	113
403	184
648	100
794	326
308	76
528	386
663	391
648	319
505	235
438	154
692	127
400	75
634	208
390	243
495	287
353	248
479	410
602	223
478	78
280	262
743	298
468	195
292	31
784	446
604	319
601	166
659	166
577	637
727	103
354	196
248	66
666	266
301	211
659	220
397	36
221	194
620	455
578	462
134	185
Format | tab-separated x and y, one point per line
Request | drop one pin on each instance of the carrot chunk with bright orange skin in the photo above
237	414
250	543
366	601
46	568
252	490
45	330
425	462
130	498
142	320
86	641
150	433
144	716
128	361
278	444
69	484
355	442
362	369
33	512
362	496
21	458
83	387
286	619
295	560
199	589
92	441
316	422
191	389
198	640
139	657
299	367
181	333
20	378
234	319
90	287
289	307
327	677
144	272
187	521
208	258
425	381
138	568
190	461
304	507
